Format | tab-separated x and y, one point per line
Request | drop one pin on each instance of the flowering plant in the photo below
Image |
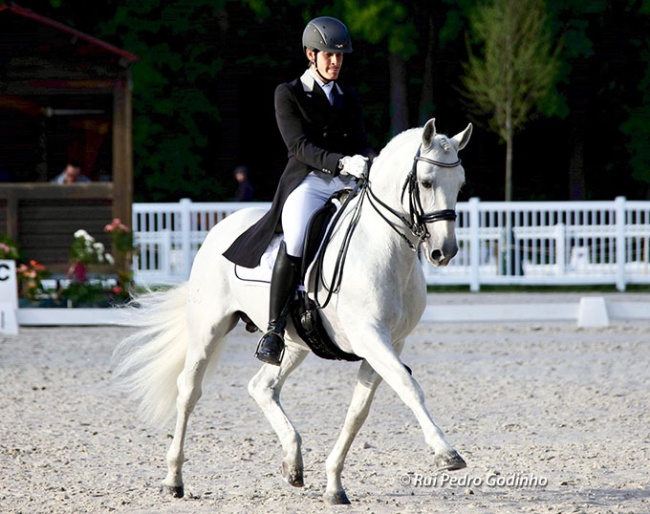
121	236
9	249
85	250
29	279
124	248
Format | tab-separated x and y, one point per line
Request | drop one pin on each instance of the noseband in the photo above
417	219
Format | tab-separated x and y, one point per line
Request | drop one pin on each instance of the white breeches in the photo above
303	202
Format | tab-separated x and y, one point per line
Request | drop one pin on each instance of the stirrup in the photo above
274	354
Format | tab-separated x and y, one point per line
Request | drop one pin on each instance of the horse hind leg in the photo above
364	392
204	346
265	389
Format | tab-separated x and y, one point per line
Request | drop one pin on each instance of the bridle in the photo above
415	222
417	219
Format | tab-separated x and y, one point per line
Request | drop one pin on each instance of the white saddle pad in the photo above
262	273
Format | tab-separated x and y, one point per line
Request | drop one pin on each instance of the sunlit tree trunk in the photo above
398	96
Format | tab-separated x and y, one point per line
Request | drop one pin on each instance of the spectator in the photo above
244	187
71	174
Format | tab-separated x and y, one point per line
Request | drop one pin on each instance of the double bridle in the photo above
417	219
415	222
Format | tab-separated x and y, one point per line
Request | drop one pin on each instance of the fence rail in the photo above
524	243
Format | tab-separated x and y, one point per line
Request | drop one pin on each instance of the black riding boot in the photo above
284	280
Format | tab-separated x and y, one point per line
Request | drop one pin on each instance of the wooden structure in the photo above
64	95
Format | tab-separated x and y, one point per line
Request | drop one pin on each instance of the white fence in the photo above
525	243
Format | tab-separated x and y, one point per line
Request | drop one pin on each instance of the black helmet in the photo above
328	35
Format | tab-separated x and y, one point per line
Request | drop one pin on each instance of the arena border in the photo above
591	311
69	317
588	312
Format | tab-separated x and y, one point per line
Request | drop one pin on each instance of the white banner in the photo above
8	297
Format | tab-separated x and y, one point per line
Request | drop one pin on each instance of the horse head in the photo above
437	177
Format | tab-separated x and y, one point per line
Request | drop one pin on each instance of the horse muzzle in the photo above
441	255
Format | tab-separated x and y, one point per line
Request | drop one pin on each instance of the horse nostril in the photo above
436	255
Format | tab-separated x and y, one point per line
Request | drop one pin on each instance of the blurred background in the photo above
202	91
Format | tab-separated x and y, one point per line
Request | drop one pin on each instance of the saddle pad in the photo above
261	275
313	245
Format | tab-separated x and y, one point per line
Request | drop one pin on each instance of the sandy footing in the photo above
549	417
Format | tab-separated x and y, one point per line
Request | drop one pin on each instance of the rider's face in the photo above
329	64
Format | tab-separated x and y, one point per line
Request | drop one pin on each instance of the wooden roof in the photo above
86	44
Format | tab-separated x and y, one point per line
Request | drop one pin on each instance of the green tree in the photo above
378	22
513	71
178	44
637	129
637	125
388	22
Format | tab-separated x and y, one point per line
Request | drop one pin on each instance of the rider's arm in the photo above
300	135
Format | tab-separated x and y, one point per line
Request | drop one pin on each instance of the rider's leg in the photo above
286	273
303	201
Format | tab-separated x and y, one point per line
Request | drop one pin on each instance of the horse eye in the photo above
427	184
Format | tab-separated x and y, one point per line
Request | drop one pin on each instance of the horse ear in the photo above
462	138
429	133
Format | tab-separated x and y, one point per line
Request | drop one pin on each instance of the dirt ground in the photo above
549	417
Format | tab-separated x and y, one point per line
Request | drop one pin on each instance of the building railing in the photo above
500	243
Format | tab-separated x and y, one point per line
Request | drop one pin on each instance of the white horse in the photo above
408	204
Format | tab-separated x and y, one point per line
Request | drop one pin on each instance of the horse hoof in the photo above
338	498
177	491
449	461
293	477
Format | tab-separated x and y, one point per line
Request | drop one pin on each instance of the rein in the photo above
417	219
415	222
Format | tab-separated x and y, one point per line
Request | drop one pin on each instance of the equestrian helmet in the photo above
327	35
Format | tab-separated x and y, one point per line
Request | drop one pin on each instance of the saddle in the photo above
305	314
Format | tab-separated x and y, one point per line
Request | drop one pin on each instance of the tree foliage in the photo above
637	125
514	70
177	42
203	89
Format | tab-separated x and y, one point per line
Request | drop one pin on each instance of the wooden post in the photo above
122	155
122	150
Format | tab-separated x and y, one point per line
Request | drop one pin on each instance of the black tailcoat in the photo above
317	136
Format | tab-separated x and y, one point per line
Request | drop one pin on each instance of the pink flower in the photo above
37	266
116	224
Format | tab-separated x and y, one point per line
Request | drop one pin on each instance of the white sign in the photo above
8	297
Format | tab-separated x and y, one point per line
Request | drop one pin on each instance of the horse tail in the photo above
148	362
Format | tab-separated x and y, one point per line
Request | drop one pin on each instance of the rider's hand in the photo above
356	166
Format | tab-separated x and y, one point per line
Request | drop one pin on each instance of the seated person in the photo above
71	174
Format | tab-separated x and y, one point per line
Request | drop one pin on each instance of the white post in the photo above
619	205
560	249
8	297
186	232
474	245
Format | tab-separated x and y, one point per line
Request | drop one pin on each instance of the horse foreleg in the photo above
265	389
364	392
385	361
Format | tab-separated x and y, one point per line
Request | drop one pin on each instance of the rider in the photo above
321	123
